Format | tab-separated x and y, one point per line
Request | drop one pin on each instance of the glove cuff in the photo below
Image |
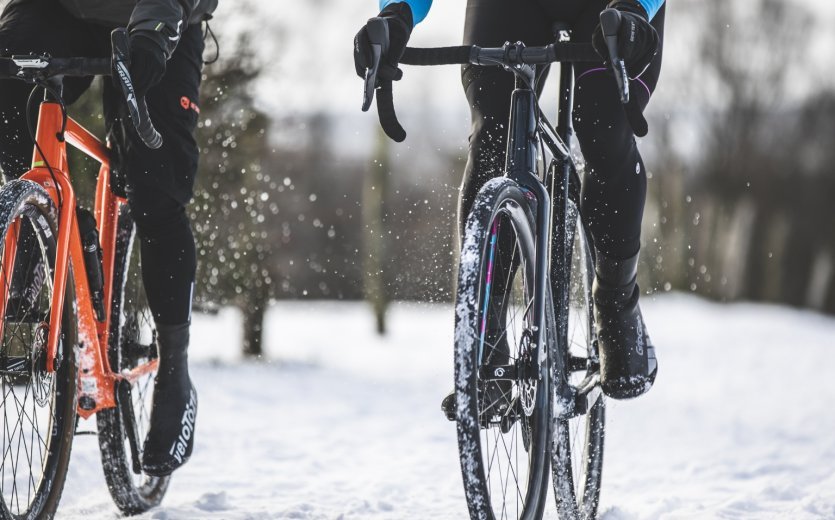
630	6
401	11
151	41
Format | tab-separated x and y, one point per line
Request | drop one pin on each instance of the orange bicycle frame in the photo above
97	381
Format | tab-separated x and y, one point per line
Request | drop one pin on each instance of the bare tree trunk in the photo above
254	324
374	232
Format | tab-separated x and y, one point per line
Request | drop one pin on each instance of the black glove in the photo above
400	23
637	39
147	64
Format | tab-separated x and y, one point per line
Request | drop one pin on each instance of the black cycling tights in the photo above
169	258
614	188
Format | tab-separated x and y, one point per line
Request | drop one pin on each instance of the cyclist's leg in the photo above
39	26
615	187
614	193
160	184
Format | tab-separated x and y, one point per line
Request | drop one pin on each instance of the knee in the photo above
488	93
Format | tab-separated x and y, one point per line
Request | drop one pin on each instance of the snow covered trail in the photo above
347	426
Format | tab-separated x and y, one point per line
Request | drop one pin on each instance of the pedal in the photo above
513	413
134	352
587	394
448	407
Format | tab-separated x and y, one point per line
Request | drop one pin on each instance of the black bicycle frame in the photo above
528	128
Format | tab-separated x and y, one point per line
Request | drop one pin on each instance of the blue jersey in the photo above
421	7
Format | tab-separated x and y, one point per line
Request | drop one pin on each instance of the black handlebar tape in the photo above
438	55
563	52
385	110
79	67
573	52
137	108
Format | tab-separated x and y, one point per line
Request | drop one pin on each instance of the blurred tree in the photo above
750	217
232	195
374	250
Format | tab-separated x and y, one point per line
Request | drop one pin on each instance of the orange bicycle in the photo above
77	335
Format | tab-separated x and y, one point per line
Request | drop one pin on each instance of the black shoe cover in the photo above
448	406
170	439
628	365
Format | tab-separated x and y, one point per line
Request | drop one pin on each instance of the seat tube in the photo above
565	128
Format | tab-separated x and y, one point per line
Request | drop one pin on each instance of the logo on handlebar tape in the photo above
122	69
188	104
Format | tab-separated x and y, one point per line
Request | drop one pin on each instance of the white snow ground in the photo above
343	425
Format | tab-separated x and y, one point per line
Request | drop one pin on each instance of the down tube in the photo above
521	167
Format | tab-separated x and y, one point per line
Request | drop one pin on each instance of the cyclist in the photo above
614	190
166	61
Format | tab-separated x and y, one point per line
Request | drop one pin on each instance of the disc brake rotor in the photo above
41	379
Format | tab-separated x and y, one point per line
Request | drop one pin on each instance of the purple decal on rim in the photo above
493	234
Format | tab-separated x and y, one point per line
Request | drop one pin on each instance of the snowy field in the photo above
342	425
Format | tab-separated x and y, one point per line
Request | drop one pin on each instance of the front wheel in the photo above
122	429
502	383
39	406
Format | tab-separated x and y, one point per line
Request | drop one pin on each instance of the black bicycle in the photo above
527	388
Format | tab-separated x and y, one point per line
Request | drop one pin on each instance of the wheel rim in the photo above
31	405
578	439
507	409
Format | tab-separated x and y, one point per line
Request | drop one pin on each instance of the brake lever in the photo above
610	21
371	77
378	37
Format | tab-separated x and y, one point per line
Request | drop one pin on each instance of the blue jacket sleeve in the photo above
650	6
419	7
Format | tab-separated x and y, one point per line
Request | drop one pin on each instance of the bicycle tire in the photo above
577	449
25	329
526	411
131	324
